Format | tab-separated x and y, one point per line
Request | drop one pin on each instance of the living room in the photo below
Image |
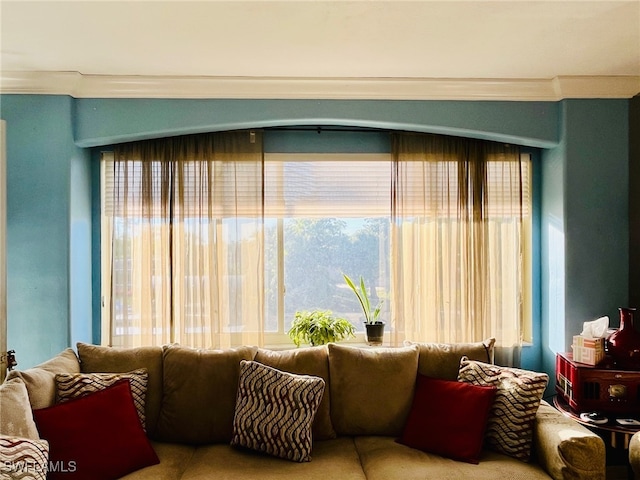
558	83
582	121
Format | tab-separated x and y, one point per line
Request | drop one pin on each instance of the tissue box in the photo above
589	351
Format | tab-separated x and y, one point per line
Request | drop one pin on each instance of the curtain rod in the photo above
320	129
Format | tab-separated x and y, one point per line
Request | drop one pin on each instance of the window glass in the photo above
321	215
326	215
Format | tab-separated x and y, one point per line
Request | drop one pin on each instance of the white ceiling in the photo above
321	41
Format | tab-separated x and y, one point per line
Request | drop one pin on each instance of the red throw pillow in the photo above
448	418
97	437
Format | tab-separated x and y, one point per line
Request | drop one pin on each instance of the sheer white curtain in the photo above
183	241
182	238
459	231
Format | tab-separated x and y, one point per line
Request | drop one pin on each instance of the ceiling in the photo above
142	45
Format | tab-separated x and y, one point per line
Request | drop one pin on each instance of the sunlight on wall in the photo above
556	303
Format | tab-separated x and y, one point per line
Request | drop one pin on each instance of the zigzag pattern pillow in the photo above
23	458
275	410
76	385
518	395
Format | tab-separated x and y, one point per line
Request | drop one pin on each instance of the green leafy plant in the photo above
371	313
319	327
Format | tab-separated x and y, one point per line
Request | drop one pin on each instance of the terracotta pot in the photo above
624	344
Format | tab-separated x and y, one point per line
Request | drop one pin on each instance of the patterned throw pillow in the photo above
23	458
76	385
275	410
510	425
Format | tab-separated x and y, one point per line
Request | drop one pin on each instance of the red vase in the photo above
624	344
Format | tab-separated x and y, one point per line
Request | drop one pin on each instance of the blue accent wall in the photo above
552	254
583	225
596	201
634	200
323	140
531	356
80	249
44	284
105	121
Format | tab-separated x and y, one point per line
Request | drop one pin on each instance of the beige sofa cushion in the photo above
16	419
41	379
384	459
568	450
442	360
200	388
174	460
306	361
371	388
100	359
634	454
332	460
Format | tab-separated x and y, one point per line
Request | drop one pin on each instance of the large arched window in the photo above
209	241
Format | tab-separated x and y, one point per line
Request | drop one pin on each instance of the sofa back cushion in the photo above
16	419
200	388
442	360
41	379
371	388
99	359
306	361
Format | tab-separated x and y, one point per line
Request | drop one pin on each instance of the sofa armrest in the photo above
634	454
566	449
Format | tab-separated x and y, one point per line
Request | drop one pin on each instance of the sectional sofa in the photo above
422	411
634	454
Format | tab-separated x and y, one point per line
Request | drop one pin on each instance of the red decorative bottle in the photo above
624	344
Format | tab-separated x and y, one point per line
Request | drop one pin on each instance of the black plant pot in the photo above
375	333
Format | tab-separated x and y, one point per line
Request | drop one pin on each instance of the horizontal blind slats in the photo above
305	188
327	188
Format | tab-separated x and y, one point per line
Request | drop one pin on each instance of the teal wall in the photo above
80	247
634	201
585	221
585	146
41	277
552	255
596	195
102	122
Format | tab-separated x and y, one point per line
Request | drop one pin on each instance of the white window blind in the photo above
434	187
325	185
303	185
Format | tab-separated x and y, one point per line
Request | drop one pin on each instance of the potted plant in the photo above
374	327
319	327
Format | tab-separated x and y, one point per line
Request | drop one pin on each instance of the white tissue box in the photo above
588	350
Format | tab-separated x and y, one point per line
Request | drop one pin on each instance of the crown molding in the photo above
113	86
